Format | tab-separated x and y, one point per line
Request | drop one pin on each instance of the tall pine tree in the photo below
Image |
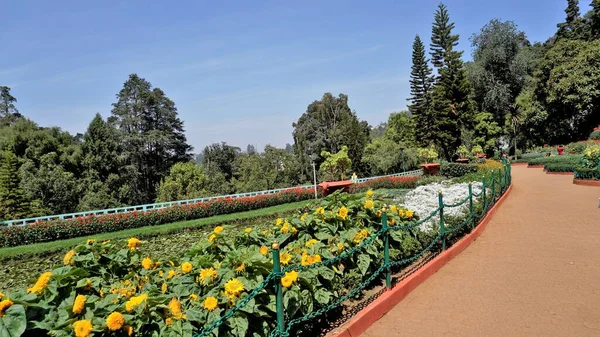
152	134
450	108
570	27
595	19
421	82
8	111
13	203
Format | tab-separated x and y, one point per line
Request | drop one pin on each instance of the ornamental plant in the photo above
476	150
462	151
591	157
428	155
110	288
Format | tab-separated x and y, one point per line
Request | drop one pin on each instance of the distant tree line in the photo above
513	95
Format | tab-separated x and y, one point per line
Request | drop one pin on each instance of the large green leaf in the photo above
14	321
238	325
363	263
322	296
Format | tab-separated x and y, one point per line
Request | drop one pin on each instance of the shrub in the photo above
591	157
59	229
385	182
477	149
595	135
453	170
532	155
568	159
560	167
586	173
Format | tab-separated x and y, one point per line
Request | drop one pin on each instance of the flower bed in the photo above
424	200
385	182
110	288
582	173
452	170
52	230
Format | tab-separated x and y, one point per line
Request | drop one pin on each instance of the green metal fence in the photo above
494	186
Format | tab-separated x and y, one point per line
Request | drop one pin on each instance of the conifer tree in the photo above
13	204
421	82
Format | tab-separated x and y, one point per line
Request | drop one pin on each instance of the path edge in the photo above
584	182
561	173
389	299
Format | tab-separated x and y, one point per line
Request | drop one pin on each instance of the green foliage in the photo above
462	151
185	181
327	125
561	167
476	149
487	132
421	82
591	157
222	157
428	155
454	170
385	157
574	160
152	137
451	106
595	135
13	203
585	173
8	111
401	128
336	165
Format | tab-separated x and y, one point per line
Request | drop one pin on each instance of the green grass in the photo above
47	247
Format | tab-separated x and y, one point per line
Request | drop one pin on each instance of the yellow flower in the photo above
285	258
285	228
279	221
82	328
115	321
147	263
303	217
175	308
128	329
343	212
135	302
208	275
310	243
194	297
101	293
240	268
68	259
393	208
248	230
41	283
79	304
169	321
172	263
233	288
218	229
88	284
320	210
369	204
401	213
133	243
264	250
186	267
211	238
163	288
307	260
161	273
358	237
171	274
340	246
409	213
5	305
369	193
90	241
105	242
289	278
294	230
211	303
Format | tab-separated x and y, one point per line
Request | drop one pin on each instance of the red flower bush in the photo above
60	229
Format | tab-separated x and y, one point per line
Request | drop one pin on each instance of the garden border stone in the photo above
583	182
386	302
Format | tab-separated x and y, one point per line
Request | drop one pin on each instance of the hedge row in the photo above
60	229
574	160
385	182
586	173
455	170
595	135
560	167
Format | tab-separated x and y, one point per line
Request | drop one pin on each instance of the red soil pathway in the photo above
535	270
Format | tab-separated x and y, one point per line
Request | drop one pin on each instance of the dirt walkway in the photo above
535	270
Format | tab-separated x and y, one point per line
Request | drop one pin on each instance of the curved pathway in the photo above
535	270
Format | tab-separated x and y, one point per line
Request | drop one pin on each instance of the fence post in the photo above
442	229
493	188
471	205
386	248
483	195
278	290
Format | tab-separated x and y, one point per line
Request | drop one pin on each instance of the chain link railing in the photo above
498	183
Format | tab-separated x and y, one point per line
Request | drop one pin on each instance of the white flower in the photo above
423	200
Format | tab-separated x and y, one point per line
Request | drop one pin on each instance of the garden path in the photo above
535	270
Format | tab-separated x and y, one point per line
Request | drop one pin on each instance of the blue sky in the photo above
238	71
